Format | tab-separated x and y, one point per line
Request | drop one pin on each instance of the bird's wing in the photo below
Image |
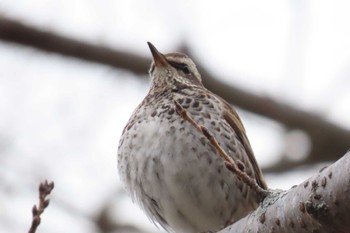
232	118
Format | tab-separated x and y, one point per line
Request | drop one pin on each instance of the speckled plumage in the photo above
170	168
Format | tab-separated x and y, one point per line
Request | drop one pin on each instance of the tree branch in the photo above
45	189
320	204
14	31
329	141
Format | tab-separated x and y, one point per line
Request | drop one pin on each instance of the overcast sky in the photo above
61	118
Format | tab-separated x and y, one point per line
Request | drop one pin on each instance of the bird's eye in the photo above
186	70
181	66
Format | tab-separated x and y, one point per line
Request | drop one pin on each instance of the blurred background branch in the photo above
328	140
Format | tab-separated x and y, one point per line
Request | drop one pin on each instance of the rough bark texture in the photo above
320	204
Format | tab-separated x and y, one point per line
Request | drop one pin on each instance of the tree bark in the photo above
320	204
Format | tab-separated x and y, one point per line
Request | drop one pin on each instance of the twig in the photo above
229	162
45	189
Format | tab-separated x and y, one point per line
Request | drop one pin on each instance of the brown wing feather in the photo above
232	118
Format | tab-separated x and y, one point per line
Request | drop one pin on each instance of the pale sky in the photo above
61	118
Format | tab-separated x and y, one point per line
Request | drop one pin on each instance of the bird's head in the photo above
173	70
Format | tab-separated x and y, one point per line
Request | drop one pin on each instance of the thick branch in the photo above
13	31
329	140
320	204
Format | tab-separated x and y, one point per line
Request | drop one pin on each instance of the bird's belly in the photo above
181	178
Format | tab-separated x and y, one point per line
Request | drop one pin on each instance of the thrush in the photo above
169	168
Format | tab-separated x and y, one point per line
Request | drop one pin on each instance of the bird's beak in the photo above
158	57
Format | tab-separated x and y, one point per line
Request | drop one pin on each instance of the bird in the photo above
170	168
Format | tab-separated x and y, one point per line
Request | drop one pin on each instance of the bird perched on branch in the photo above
169	168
